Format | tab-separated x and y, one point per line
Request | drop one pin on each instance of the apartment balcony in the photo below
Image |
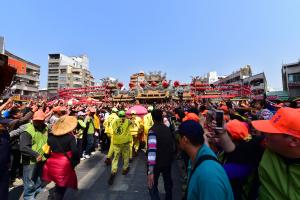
77	76
52	60
76	69
35	68
260	86
77	82
52	88
52	80
53	66
28	77
53	74
26	87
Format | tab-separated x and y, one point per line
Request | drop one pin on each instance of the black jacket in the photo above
164	146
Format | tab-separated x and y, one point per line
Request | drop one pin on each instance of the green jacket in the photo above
279	180
90	122
80	128
39	139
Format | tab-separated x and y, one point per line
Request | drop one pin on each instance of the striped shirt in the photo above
151	151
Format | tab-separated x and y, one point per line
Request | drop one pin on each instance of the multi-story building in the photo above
237	76
212	77
291	78
68	72
1	45
26	81
258	85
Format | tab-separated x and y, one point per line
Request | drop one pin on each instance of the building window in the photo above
293	78
53	65
52	78
63	71
54	56
77	86
52	85
62	78
76	73
17	91
53	71
32	83
62	86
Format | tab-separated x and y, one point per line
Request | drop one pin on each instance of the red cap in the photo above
285	121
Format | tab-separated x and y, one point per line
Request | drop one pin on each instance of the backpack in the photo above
198	162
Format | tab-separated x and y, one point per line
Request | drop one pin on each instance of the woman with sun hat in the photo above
64	156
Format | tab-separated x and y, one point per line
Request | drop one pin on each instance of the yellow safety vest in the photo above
148	122
108	123
121	132
96	122
39	140
135	126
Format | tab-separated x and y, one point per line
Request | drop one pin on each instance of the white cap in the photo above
80	113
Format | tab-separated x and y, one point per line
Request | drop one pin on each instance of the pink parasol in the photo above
139	109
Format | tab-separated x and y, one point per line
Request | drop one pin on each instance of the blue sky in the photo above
182	38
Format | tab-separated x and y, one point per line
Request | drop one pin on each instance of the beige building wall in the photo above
68	72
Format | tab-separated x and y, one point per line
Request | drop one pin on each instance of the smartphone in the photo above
219	119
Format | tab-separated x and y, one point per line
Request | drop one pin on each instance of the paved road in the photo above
92	182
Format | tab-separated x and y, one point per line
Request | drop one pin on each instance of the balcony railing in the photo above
26	87
29	77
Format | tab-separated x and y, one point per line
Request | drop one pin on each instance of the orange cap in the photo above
285	121
238	130
92	109
62	108
224	108
39	115
204	112
56	109
191	116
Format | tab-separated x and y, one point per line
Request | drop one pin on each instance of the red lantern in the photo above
142	84
153	84
176	83
192	84
120	85
131	85
165	84
193	95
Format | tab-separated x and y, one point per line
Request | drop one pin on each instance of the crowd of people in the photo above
253	154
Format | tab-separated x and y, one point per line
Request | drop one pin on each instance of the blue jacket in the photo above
209	181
